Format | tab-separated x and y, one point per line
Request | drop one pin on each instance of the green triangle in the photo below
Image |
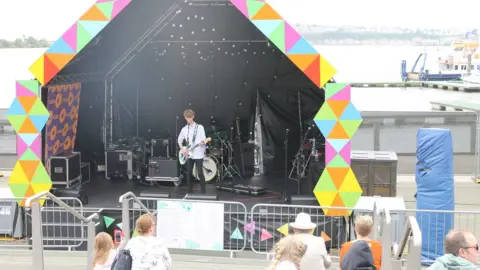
135	233
337	162
31	85
108	221
106	8
29	155
41	176
350	126
83	37
19	190
16	121
253	7
350	199
325	183
38	108
325	113
333	88
278	37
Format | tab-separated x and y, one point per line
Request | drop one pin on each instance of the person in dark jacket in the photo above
358	257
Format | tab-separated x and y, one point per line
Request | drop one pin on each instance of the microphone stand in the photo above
176	135
286	199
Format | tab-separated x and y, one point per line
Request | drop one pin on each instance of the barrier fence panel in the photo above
233	217
14	231
268	223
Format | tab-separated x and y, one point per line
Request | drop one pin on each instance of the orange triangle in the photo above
29	167
59	60
325	237
337	213
50	70
337	175
29	192
27	102
302	61
28	127
338	132
313	71
338	106
267	13
337	202
94	14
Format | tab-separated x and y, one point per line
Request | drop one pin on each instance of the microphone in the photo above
287	130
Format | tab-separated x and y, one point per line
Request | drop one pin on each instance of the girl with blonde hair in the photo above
288	253
104	252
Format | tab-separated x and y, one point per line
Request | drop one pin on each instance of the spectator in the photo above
103	253
316	256
363	228
359	256
148	253
461	252
288	253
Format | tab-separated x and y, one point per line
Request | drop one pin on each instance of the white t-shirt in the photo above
286	265
108	263
187	133
148	253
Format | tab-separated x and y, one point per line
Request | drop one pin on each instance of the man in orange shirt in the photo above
363	228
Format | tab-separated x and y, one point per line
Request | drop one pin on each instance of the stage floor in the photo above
105	193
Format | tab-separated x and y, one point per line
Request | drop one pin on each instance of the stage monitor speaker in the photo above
201	197
244	157
76	192
163	167
308	200
155	194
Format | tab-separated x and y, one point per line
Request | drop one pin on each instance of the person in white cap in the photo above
316	256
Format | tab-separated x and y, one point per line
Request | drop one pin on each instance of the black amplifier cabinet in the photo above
86	171
162	169
65	169
118	162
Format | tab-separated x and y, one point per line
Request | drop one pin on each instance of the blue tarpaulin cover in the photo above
435	189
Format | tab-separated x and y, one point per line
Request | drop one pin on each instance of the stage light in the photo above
180	26
168	44
193	32
203	30
195	16
172	36
188	18
213	29
181	38
201	18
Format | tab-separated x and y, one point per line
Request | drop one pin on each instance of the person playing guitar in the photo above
193	134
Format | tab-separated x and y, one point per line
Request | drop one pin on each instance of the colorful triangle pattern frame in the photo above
338	120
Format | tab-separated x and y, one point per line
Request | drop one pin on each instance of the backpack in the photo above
123	260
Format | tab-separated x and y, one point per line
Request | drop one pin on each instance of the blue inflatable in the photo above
435	189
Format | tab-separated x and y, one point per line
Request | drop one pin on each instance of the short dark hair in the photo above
455	240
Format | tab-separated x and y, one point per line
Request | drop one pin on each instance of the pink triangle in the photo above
250	227
291	36
345	152
103	1
242	6
118	6
70	37
265	235
21	147
344	94
37	146
330	152
22	91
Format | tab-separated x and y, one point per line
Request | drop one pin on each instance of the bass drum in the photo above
210	168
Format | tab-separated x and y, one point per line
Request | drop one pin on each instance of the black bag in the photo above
123	261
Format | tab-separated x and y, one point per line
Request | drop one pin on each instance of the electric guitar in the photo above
183	159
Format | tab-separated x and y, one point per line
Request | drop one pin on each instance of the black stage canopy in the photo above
161	57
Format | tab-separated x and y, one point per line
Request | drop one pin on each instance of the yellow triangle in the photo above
326	71
18	176
37	69
37	188
283	229
325	198
350	183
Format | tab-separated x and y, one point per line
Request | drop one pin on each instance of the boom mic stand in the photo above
299	163
286	198
231	169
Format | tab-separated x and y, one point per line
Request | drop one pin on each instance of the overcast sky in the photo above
50	18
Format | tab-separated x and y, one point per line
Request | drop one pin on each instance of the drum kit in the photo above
219	163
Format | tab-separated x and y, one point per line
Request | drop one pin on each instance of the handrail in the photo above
411	228
132	196
70	209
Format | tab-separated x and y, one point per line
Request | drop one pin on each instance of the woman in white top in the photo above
147	251
288	253
103	253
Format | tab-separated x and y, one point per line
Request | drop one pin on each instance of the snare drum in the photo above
210	168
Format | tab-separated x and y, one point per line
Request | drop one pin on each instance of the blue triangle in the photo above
93	27
351	113
16	108
302	47
325	126
217	247
267	26
28	138
189	244
39	120
236	235
60	46
338	144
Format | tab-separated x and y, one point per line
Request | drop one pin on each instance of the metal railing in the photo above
37	227
412	239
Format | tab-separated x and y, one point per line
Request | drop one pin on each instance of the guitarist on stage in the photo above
192	134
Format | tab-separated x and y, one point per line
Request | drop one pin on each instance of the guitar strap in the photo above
194	134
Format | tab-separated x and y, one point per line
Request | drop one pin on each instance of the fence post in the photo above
126	219
90	243
37	237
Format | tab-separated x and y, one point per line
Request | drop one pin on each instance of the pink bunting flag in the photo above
265	235
250	227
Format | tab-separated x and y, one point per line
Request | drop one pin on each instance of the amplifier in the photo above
118	163
163	170
244	157
85	168
77	193
65	169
